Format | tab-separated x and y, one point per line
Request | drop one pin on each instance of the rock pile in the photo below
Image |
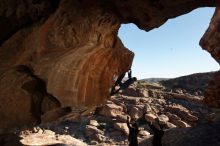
107	125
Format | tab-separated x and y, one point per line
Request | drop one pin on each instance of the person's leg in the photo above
115	91
112	91
120	78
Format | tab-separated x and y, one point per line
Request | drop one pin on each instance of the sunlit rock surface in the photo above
72	48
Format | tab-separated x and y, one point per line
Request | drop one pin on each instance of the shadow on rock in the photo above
10	139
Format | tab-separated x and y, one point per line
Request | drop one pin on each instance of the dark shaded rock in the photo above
202	135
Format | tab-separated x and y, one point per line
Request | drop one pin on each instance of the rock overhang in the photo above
74	48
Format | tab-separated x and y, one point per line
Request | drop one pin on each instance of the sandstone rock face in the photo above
210	42
75	52
21	100
72	46
29	97
212	92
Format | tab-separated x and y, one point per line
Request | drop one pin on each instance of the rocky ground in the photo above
176	109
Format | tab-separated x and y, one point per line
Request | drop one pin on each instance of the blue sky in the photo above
171	50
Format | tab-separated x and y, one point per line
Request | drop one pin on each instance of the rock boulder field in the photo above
64	54
184	122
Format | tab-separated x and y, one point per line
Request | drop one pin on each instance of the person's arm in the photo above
128	122
112	91
129	74
117	82
158	122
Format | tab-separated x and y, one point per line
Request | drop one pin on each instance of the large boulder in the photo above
210	42
135	92
183	113
111	110
122	127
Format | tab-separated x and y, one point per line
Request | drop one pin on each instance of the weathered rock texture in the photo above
71	46
210	42
212	94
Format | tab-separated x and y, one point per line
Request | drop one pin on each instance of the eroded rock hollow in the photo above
64	54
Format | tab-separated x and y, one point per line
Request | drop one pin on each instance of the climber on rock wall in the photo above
125	84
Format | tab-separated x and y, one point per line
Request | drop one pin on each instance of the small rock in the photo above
123	106
132	91
109	102
213	117
144	133
111	110
172	116
135	113
140	106
133	100
99	137
191	118
121	118
36	129
147	108
122	127
145	93
94	142
91	130
150	117
93	123
144	100
169	125
179	91
163	119
152	93
180	123
161	101
49	132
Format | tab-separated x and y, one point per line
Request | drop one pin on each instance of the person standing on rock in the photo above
124	85
156	127
158	132
133	132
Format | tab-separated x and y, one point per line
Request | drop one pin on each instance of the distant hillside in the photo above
191	83
154	80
